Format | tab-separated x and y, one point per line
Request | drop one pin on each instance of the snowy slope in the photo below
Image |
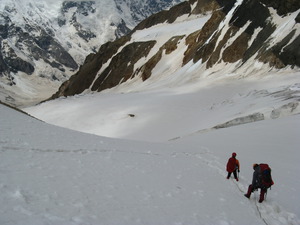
51	175
210	102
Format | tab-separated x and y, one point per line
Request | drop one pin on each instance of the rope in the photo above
259	210
260	215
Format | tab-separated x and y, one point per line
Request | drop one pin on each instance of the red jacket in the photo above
232	165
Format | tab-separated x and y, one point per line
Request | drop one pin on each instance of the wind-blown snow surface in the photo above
51	175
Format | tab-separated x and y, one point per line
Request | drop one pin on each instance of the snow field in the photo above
57	176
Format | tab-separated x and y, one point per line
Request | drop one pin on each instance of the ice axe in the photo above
238	172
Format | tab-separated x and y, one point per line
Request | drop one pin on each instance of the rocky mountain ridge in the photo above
236	32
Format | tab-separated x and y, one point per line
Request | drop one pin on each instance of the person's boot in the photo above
249	192
262	195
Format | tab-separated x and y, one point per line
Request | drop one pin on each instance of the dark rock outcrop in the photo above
144	9
42	46
242	120
81	8
290	55
278	56
168	47
164	16
283	7
121	67
85	76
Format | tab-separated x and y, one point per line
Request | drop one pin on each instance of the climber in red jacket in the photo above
233	166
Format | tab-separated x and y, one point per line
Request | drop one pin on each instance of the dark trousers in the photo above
263	191
234	174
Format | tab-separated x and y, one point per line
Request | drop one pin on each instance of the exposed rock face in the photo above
242	120
16	41
121	67
81	8
239	49
290	54
236	31
41	45
10	62
168	47
197	46
165	16
283	7
85	76
278	56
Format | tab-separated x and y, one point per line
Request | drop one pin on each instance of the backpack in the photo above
266	177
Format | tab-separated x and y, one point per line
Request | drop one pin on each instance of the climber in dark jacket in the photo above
256	183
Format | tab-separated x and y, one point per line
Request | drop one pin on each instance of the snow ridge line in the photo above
81	151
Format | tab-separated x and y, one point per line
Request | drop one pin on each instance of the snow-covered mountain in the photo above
191	47
43	42
237	36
